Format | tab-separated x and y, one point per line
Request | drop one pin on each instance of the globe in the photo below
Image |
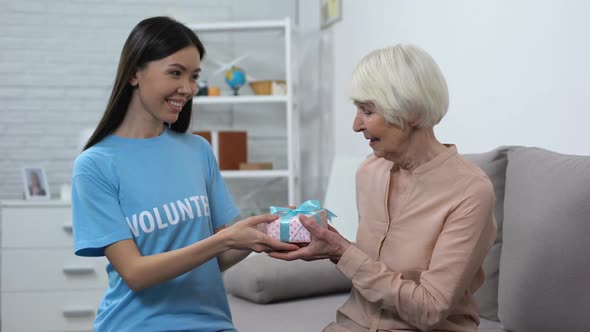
235	78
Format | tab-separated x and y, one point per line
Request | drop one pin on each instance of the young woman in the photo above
151	198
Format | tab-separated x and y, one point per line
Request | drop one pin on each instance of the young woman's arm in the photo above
140	272
230	257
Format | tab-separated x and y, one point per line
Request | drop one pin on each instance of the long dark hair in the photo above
152	39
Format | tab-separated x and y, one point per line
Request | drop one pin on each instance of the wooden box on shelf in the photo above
230	147
255	166
269	87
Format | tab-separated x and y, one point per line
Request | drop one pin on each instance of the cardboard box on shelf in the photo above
230	147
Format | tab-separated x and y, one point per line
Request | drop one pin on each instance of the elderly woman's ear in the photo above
415	123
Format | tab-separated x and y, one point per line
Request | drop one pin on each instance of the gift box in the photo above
288	227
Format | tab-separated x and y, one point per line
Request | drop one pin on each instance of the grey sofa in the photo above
537	272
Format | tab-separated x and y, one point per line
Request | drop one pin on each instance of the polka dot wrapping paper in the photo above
297	233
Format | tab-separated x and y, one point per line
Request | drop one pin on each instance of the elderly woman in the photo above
426	217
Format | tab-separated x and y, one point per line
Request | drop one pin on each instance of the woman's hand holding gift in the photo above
244	235
325	243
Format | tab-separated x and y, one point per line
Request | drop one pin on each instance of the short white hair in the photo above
404	83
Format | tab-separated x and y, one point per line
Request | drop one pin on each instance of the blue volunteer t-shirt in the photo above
165	193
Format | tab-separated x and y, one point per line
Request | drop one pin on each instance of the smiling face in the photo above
387	140
162	87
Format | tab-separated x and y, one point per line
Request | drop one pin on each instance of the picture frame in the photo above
330	12
35	183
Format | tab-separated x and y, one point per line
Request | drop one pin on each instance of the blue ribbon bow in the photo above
285	214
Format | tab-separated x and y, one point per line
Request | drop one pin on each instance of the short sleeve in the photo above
98	220
223	209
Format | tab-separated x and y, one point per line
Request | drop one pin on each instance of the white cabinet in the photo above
44	286
243	106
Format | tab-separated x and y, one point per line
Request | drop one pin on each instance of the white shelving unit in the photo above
240	99
256	174
242	25
284	27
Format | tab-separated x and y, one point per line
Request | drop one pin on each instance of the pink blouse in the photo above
419	270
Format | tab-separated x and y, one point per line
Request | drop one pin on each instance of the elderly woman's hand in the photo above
325	243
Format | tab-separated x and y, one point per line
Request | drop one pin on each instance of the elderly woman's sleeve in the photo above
459	252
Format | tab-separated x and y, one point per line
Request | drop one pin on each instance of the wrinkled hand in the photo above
325	243
244	235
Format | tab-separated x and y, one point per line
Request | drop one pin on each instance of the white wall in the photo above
517	71
312	97
57	65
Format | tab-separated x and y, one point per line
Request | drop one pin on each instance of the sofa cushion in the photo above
263	279
493	163
301	315
544	268
489	326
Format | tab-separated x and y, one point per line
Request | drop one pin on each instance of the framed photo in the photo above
331	12
35	182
